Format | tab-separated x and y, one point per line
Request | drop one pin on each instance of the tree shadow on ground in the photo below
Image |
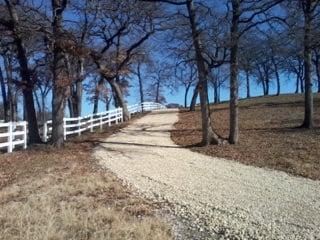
98	142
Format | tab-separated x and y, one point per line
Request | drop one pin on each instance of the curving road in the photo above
217	198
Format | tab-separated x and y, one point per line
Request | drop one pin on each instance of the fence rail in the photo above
78	125
145	106
14	134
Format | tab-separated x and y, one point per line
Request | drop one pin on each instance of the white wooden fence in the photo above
81	124
14	134
145	106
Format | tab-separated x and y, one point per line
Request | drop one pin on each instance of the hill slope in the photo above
269	134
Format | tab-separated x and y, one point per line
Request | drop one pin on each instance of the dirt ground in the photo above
269	134
49	194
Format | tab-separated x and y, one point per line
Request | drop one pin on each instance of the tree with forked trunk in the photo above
208	134
13	24
245	15
60	77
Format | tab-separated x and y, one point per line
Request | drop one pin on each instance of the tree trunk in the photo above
302	84
157	91
60	77
14	110
120	99
114	94
140	86
264	86
186	95
308	113
234	111
317	67
70	107
262	80
24	110
75	98
38	104
70	100
33	130
208	135
297	83
276	70
97	94
108	101
43	116
248	84
267	84
4	98
12	101
194	98
215	91
115	99
58	107
27	84
267	79
79	87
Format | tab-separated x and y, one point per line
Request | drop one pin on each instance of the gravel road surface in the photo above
216	198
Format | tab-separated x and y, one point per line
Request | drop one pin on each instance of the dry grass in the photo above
269	134
45	194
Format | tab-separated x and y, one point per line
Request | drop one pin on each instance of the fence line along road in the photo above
145	106
14	134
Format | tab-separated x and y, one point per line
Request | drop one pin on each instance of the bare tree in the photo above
185	75
208	134
309	8
245	16
4	97
160	76
98	90
81	30
316	62
217	80
139	76
116	52
141	63
14	25
60	77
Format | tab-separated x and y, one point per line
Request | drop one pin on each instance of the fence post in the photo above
121	115
91	123
79	126
109	119
24	135
100	122
10	137
45	132
117	119
64	129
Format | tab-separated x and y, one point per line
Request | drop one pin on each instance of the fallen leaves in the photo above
269	134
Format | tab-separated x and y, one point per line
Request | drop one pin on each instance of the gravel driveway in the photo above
217	198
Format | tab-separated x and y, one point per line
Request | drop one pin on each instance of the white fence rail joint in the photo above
14	134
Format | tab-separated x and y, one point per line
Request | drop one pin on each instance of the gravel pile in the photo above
215	198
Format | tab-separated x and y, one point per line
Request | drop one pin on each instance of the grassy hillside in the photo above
49	194
269	134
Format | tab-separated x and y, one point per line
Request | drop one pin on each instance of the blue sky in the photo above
178	96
